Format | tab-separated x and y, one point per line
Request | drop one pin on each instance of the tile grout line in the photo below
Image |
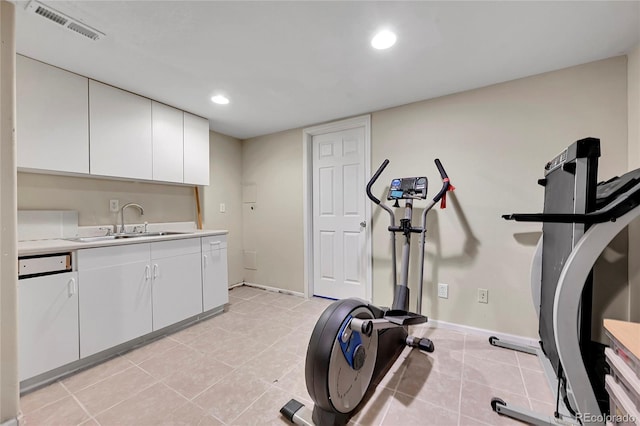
524	384
120	402
394	391
212	385
496	361
102	379
270	345
497	389
416	397
131	363
124	355
464	350
91	417
272	384
50	402
187	401
387	409
251	405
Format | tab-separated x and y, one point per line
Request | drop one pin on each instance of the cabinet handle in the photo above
71	287
147	272
204	258
155	271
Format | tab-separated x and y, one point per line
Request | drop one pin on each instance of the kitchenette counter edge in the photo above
38	247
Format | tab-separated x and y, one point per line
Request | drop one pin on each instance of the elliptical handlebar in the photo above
445	181
443	174
373	180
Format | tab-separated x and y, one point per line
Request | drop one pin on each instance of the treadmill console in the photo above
558	161
408	188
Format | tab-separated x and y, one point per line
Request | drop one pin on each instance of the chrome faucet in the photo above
138	206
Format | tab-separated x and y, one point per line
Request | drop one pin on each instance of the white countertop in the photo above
27	248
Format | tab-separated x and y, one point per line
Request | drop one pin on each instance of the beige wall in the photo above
90	197
633	101
493	142
9	401
225	187
273	224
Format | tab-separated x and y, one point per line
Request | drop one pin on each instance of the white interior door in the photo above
339	228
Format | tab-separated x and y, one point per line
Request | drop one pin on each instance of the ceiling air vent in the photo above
65	21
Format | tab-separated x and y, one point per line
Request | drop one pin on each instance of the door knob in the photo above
363	224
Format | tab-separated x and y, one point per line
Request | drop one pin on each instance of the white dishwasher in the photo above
47	314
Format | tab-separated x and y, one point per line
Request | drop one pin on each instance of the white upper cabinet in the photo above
52	118
167	123
67	123
196	150
120	133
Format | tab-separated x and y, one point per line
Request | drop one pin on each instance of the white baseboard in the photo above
274	289
521	340
241	283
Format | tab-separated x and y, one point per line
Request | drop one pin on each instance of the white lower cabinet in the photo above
130	290
115	296
177	281
119	293
47	323
215	280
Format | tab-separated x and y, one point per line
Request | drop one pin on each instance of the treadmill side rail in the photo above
571	283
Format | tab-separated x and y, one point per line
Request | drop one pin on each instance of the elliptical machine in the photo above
354	343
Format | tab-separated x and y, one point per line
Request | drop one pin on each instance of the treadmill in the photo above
580	218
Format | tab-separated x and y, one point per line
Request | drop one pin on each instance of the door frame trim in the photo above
307	198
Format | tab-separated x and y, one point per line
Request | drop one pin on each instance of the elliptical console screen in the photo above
408	188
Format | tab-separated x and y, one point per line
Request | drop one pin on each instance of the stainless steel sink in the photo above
94	239
123	236
157	234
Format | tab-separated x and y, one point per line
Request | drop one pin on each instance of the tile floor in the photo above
240	367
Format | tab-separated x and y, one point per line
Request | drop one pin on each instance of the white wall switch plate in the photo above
114	206
483	295
443	290
223	208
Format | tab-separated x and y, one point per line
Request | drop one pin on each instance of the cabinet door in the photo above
47	323
177	289
196	150
52	115
120	133
167	143
215	281
115	296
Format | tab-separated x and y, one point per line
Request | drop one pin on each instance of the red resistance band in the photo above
443	200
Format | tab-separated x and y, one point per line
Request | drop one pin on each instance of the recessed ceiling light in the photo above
383	40
220	99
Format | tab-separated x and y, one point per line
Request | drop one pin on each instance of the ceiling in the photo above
291	64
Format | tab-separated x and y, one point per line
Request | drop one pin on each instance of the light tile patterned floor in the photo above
240	367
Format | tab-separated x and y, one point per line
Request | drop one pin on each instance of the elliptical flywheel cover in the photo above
331	382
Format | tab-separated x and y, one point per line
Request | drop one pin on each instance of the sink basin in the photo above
155	234
122	236
94	239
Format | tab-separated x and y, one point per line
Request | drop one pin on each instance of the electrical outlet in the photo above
114	206
223	208
443	290
483	295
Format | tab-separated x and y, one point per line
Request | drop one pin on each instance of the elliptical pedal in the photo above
423	344
400	317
